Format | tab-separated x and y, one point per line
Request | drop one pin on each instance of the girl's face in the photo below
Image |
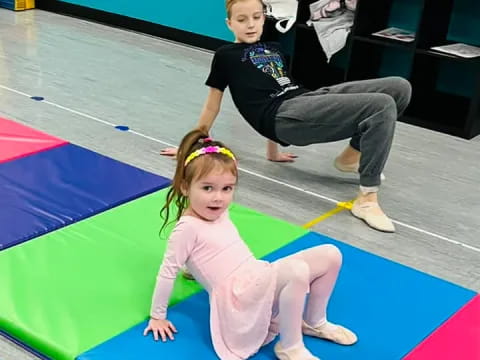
246	21
211	195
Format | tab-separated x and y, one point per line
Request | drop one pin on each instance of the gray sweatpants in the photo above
365	111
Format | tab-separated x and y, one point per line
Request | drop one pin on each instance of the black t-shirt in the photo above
258	80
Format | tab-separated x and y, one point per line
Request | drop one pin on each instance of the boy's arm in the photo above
211	108
209	113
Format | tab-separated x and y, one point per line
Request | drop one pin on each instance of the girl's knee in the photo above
300	272
334	255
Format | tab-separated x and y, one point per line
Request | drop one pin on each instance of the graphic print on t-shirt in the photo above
269	62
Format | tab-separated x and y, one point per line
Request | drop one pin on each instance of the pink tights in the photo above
313	270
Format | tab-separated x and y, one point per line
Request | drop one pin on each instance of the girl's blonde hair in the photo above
230	3
196	169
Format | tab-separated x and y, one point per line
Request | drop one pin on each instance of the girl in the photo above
251	301
288	114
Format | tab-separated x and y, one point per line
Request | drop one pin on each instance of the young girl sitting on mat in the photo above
288	114
251	300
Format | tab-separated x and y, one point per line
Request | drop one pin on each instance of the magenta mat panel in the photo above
457	339
17	140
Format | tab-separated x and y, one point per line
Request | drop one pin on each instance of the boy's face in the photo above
246	21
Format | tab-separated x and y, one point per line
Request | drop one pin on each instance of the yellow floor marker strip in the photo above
341	206
347	205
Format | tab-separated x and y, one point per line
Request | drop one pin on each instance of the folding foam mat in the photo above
457	339
50	189
391	308
72	289
17	140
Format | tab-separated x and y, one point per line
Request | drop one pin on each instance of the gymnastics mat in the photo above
76	287
50	189
391	307
17	140
457	339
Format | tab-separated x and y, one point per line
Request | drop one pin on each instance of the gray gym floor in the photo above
93	76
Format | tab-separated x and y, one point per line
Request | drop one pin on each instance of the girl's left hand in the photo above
160	328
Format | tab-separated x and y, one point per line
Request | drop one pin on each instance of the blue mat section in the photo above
391	307
54	188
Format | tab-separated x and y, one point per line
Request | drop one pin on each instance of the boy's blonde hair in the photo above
230	3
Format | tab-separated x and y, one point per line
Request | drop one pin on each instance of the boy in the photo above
288	114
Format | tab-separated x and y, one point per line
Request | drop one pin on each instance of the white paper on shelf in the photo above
396	34
459	49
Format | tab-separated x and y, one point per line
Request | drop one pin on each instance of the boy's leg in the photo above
397	87
370	117
310	119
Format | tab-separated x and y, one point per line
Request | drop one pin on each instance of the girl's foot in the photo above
295	353
328	331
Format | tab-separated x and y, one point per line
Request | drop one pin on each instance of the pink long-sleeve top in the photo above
241	288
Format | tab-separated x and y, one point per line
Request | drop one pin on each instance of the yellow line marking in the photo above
347	205
341	206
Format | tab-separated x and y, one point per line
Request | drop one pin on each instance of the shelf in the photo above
385	42
439	111
310	67
451	57
434	126
446	87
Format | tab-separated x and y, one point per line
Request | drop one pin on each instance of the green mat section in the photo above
70	290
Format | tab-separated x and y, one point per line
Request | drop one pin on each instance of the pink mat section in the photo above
17	140
457	339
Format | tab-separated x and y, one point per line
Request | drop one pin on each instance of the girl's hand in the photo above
172	152
160	327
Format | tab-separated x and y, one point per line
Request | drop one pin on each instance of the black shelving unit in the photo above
446	88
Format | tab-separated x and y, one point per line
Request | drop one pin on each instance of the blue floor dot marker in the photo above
122	128
37	98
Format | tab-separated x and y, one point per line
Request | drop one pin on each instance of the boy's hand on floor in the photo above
276	157
282	157
171	152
